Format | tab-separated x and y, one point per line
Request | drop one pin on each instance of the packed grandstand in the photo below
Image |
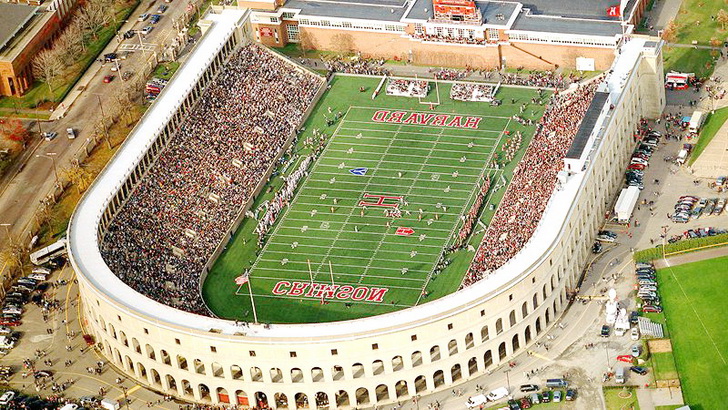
162	238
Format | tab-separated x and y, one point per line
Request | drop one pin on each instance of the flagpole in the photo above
331	270
310	274
252	302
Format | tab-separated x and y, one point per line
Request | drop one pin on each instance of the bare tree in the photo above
669	33
342	42
47	65
92	16
722	18
306	41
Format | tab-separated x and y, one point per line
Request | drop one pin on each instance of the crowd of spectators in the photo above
471	217
452	40
408	88
534	180
473	92
357	65
161	239
544	79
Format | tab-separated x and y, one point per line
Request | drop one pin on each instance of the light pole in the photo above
52	156
508	379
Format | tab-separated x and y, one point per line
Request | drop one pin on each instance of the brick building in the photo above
535	34
24	30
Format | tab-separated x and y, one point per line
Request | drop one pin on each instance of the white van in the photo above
696	121
619	376
497	394
110	404
476	401
69	406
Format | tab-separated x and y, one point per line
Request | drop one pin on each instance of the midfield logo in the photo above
381	200
421	118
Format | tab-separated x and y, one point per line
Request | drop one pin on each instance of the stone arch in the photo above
222	395
317	374
296	375
276	375
357	370
472	366
515	343
538	325
524	310
217	370
129	364
204	392
502	351
123	339
382	392
401	389
261	400
554	307
337	372
527	334
301	401
135	345
512	318
397	363
102	323
377	367
155	378
166	359
553	282
256	374
543	292
182	362
322	399
236	372
488	358
452	347
142	370
420	384
438	378
416	358
171	382
150	351
117	357
535	301
469	343
342	398
484	336
281	400
435	353
199	366
456	372
242	397
362	396
548	317
499	326
112	330
187	388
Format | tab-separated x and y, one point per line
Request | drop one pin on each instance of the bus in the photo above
48	253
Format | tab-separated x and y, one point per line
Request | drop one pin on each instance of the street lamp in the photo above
52	156
508	379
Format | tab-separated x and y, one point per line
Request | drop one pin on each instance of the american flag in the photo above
242	279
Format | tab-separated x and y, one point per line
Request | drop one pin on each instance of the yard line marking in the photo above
298	253
386	162
482	144
405	178
428	111
403	155
425	134
358	240
394	278
332	300
360	225
322	246
304	271
439	189
356	206
692	307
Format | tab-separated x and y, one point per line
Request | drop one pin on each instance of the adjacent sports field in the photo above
695	306
379	206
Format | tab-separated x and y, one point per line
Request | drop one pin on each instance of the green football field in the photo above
367	227
695	303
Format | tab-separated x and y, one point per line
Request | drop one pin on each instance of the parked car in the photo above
570	395
129	34
557	396
7	397
525	403
635	351
525	388
546	397
143	17
605	238
605	331
49	136
634	334
652	309
162	8
639	370
9	322
636	166
108	79
146	30
155	19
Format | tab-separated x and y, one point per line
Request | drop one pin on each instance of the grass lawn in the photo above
711	127
433	168
688	60
694	301
663	366
165	71
615	402
694	21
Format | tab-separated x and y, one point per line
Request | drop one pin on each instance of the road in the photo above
30	179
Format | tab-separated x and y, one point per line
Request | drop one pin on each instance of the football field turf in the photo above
339	230
695	303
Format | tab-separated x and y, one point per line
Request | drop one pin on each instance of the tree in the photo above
47	65
342	42
722	18
79	176
13	129
669	33
306	41
12	256
91	17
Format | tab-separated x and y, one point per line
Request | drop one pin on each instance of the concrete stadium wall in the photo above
364	369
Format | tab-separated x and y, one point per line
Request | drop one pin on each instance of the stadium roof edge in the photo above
85	255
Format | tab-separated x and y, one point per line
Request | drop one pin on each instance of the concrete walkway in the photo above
692	257
644	397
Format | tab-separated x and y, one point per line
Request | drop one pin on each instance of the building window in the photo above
413	338
375	346
251	353
493	34
118	317
482	312
292	31
288	15
177	341
334	352
346	24
213	349
293	354
449	326
146	331
274	20
303	21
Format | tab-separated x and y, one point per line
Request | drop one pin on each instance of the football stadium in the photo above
270	237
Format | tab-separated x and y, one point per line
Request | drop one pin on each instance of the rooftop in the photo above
551	24
14	18
422	10
382	10
589	9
